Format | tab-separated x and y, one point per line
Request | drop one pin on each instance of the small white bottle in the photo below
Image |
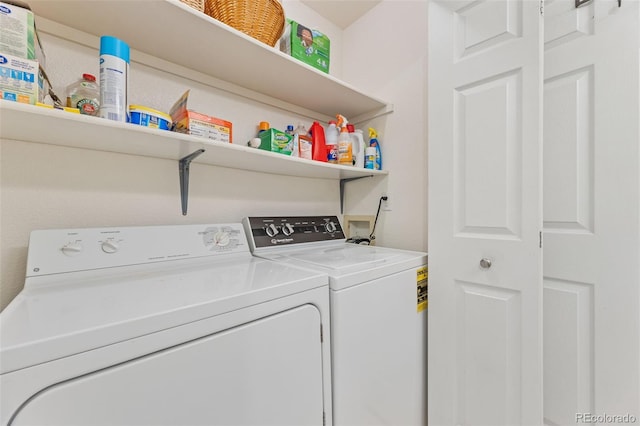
370	158
331	140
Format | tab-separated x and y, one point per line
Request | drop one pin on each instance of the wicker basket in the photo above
196	4
260	19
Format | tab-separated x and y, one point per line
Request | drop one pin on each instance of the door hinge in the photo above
540	234
321	334
541	7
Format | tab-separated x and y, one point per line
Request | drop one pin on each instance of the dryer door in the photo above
266	372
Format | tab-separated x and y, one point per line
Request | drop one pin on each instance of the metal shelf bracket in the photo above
183	165
342	183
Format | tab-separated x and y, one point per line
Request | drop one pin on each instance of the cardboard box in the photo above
18	34
197	124
19	79
307	45
276	141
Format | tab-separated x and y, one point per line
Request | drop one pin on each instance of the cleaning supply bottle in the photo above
358	149
304	142
114	79
293	145
319	144
370	157
373	142
331	140
345	149
263	127
84	94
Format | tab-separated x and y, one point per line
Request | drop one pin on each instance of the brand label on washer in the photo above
422	281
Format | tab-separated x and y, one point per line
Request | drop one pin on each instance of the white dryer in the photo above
176	325
378	316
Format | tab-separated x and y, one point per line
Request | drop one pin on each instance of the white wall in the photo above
385	55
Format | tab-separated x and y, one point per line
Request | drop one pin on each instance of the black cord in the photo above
371	236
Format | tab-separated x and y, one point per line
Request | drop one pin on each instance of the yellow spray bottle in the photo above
345	148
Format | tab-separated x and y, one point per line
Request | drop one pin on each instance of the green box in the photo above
18	35
276	141
307	45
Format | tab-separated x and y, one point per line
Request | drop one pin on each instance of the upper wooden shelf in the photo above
175	32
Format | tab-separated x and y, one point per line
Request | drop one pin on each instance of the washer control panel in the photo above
286	230
69	250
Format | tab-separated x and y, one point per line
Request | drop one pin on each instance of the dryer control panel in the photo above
69	250
285	230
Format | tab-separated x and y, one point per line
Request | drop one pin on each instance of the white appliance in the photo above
176	325
378	316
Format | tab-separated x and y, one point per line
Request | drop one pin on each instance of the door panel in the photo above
485	325
591	213
488	155
489	355
265	372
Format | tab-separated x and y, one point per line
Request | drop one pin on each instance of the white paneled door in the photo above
591	226
501	322
485	213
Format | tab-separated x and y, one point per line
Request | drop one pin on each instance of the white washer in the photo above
378	316
176	325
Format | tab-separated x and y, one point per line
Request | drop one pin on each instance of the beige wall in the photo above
44	186
385	55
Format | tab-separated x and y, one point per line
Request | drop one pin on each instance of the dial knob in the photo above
330	227
72	249
110	246
222	239
271	229
287	229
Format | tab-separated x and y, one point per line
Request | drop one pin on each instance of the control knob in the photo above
330	227
72	249
287	229
271	229
221	239
110	247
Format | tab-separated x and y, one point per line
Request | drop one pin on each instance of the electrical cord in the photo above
373	231
367	241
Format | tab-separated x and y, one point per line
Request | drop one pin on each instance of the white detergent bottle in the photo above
358	149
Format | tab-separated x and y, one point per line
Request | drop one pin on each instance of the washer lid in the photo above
348	264
64	314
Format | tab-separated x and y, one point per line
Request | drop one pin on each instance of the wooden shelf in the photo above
42	125
175	32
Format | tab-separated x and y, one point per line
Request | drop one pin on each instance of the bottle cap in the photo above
114	47
289	127
333	122
264	125
350	128
89	77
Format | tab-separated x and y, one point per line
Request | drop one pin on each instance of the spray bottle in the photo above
373	142
345	150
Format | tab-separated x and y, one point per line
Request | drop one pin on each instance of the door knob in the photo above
485	263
